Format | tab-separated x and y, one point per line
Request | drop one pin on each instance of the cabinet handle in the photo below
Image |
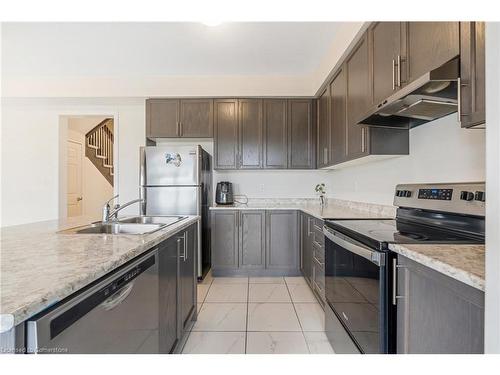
308	226
399	71
180	129
179	239
393	74
177	131
325	155
460	84
395	267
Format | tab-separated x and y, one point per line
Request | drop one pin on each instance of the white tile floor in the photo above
261	315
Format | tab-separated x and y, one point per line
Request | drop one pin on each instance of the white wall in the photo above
492	302
30	175
440	151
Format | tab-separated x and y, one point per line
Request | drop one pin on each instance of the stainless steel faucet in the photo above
109	214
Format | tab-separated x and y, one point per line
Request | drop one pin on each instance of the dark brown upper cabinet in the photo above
174	118
275	150
162	118
301	132
250	133
270	133
196	118
472	75
338	131
387	47
358	98
226	133
430	45
323	138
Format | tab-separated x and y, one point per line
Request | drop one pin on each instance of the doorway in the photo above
87	160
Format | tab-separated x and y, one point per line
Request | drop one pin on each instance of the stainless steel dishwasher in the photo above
116	315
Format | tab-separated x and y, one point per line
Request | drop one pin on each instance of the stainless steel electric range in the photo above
359	268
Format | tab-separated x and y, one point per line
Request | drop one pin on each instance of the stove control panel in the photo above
440	194
464	198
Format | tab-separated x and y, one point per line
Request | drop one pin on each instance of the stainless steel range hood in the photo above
428	98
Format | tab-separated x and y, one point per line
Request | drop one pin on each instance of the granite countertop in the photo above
464	263
335	208
40	267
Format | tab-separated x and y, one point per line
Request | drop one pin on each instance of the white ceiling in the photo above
162	49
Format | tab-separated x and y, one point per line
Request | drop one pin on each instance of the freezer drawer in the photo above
172	200
117	315
167	165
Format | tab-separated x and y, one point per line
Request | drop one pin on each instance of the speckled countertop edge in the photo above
51	295
335	208
464	263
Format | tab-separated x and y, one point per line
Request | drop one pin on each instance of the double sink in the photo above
130	225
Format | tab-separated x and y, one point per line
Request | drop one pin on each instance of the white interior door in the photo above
74	190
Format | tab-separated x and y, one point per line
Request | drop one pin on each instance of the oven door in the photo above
355	290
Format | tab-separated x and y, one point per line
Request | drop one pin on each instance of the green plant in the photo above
320	189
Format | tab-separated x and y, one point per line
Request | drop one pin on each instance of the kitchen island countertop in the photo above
464	263
40	267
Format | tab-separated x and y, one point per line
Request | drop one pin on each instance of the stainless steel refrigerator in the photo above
177	180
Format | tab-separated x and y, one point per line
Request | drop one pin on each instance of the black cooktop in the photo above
378	233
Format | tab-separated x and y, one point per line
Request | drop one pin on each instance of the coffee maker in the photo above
224	193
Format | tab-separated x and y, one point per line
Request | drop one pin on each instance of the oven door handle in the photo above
355	247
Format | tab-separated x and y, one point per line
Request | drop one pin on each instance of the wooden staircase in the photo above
99	148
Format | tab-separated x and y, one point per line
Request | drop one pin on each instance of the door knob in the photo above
78	199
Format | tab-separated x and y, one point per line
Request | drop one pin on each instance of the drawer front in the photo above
318	235
319	254
319	280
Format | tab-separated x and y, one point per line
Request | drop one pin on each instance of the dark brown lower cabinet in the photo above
225	239
435	313
255	242
177	288
252	234
306	247
312	254
282	236
168	260
187	244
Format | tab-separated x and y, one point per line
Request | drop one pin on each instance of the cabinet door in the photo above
282	248
226	133
168	260
472	74
187	275
306	247
358	94
323	144
300	134
250	131
385	46
162	118
430	45
196	118
338	132
275	134
437	314
225	239
252	239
